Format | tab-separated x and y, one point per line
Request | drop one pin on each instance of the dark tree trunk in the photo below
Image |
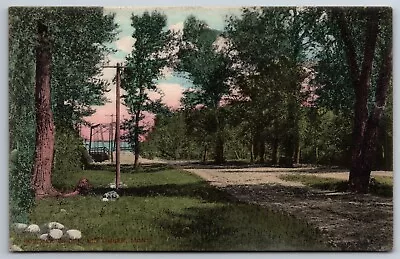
298	152
275	146
137	130
205	153
365	129
252	152
219	143
262	150
136	140
44	150
219	149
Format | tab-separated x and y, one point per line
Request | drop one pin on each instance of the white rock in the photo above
19	227
44	237
112	195
112	185
55	233
63	210
104	199
33	228
55	225
15	248
74	234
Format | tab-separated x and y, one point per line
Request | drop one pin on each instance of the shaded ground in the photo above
349	222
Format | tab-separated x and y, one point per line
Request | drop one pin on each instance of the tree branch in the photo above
350	50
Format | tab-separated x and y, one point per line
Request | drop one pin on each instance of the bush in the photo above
70	154
21	197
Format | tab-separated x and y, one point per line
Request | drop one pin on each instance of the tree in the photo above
150	54
365	128
66	42
270	46
209	70
367	69
44	152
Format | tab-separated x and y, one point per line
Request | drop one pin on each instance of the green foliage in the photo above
325	137
150	54
21	117
79	38
381	186
21	196
79	44
69	155
169	139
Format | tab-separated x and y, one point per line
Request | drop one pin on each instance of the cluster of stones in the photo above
121	185
49	231
110	196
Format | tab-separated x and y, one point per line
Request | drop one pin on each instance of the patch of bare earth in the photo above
348	222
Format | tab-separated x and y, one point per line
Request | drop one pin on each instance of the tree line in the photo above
279	85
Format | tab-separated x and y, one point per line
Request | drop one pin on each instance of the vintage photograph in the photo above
183	129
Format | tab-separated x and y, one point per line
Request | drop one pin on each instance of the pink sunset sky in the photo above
170	85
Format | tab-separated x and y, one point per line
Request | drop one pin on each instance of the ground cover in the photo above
164	209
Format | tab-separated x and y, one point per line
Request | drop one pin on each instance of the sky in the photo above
171	85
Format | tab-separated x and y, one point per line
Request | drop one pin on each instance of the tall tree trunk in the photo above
219	145
298	152
219	149
365	129
44	150
205	153
252	152
136	140
262	150
275	146
137	131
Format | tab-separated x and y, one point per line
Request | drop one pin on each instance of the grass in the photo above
164	210
383	185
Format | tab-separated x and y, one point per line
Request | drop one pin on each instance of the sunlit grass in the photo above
383	185
165	210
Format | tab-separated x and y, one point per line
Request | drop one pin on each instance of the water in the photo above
107	144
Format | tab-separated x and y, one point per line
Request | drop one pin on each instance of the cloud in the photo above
171	94
125	44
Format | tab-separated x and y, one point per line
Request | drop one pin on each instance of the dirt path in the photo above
348	222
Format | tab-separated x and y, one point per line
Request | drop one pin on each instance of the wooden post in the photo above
90	139
117	128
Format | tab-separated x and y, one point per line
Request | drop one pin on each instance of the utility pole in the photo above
117	123
117	127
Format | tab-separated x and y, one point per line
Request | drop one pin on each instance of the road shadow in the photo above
125	168
240	227
349	222
199	190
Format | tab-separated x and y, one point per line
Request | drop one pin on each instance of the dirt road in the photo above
347	221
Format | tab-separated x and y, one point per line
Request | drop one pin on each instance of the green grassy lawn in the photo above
164	209
383	184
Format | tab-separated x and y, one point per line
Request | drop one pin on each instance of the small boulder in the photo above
112	195
63	211
55	225
19	227
33	228
104	199
44	237
55	233
74	234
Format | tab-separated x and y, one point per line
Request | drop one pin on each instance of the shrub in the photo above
21	197
69	155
